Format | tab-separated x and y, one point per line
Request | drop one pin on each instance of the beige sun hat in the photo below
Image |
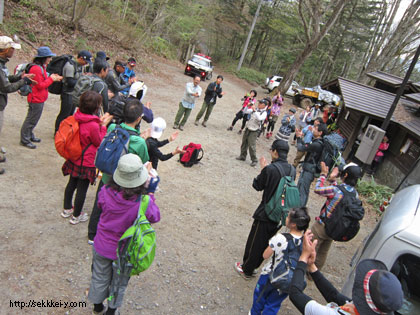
130	172
7	42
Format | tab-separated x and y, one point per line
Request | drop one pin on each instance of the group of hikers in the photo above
110	103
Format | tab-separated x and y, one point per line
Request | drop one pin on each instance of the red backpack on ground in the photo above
67	139
191	155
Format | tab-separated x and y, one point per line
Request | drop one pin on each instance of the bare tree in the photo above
80	9
317	18
396	41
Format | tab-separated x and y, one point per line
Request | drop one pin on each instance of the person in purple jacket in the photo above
119	201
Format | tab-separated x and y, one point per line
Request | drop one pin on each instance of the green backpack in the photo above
83	84
136	247
285	197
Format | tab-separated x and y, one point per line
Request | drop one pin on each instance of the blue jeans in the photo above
267	299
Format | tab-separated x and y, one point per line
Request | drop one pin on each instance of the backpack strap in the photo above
144	203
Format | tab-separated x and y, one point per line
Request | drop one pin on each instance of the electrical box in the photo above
370	144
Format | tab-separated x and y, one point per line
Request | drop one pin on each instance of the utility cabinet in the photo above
370	144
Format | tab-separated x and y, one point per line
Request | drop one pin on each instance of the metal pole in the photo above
249	36
1	11
400	90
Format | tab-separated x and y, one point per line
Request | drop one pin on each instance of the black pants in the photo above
240	115
95	215
257	242
81	186
67	109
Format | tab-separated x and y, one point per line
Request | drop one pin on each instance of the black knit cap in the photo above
280	146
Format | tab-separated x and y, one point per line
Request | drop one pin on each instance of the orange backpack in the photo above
67	139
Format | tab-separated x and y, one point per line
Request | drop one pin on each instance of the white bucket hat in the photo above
130	172
7	42
158	126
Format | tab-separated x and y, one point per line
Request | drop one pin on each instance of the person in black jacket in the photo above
114	79
312	158
213	91
375	289
153	144
9	83
263	228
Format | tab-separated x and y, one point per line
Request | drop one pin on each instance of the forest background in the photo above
347	38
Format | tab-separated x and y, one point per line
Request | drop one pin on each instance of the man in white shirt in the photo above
249	138
192	92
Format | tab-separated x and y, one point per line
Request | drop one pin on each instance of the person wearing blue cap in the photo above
38	96
71	73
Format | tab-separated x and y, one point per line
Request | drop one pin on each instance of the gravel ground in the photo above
206	216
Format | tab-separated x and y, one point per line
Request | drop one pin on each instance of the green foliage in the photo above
250	75
81	44
373	193
161	47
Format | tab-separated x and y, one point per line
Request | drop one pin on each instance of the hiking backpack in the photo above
330	155
136	247
343	224
24	68
192	154
56	66
83	84
113	146
67	139
116	108
281	276
285	197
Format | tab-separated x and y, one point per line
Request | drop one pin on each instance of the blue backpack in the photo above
282	275
113	146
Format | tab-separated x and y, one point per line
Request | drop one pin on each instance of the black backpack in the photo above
116	108
343	224
56	66
330	155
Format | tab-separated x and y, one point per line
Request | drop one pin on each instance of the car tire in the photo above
306	102
209	76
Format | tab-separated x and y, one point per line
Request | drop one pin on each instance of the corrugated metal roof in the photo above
415	97
365	98
386	77
376	102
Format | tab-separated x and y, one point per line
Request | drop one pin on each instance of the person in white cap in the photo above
8	83
153	143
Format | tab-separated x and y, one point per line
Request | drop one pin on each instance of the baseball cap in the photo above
131	61
293	110
7	42
85	55
280	145
158	126
102	54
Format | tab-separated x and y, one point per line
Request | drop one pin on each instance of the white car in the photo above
274	81
200	65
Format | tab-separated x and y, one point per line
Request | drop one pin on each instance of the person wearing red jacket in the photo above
38	96
82	171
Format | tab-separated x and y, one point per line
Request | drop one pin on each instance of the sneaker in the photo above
240	158
204	124
67	212
181	127
90	242
2	171
196	122
238	269
101	312
175	126
254	163
81	218
230	128
239	132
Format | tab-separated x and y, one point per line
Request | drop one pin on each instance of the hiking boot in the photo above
240	131
67	212
2	171
196	122
230	128
181	127
240	158
254	163
81	218
35	139
204	124
238	268
29	145
101	312
175	126
2	159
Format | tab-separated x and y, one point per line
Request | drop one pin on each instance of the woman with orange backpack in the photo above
82	170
